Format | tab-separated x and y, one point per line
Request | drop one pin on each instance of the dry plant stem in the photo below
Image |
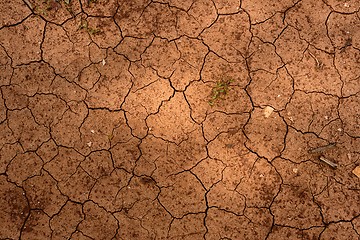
318	63
322	148
327	161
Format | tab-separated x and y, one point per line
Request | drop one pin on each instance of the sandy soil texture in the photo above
179	119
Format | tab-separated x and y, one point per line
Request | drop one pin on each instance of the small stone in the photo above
89	144
356	171
268	111
103	62
346	5
92	131
295	170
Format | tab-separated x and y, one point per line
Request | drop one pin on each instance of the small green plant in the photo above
69	8
220	89
41	10
46	6
84	25
93	31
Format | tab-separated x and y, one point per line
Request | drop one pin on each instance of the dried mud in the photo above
106	131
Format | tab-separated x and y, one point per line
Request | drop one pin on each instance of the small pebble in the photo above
356	171
268	111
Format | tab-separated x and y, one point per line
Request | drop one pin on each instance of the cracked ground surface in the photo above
106	131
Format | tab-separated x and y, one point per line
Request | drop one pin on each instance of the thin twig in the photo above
322	148
327	161
318	63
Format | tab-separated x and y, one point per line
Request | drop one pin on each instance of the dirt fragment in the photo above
356	171
268	111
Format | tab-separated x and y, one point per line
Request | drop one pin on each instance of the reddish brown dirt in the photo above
106	131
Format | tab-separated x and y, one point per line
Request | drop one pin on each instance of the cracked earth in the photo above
106	131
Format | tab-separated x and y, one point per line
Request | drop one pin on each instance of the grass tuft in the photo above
84	25
219	91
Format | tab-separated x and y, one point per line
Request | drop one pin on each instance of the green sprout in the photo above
84	25
219	91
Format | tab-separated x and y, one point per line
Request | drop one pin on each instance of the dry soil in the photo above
106	131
